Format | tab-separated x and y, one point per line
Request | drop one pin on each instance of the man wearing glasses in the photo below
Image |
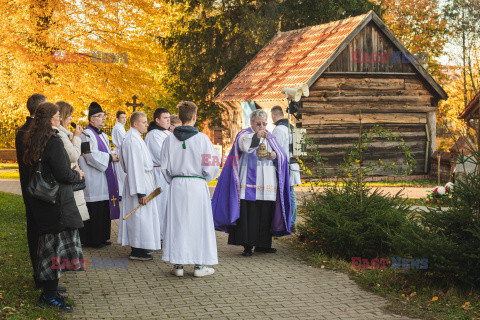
101	192
252	198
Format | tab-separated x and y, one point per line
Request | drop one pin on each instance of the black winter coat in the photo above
25	170
54	218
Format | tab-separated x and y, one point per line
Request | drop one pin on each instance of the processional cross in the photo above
134	104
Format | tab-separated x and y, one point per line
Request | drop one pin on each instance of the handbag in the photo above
41	189
79	186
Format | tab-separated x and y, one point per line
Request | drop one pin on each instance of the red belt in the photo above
156	166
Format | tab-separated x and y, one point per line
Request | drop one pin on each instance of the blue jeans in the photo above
293	206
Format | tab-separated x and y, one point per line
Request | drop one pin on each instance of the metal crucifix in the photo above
134	104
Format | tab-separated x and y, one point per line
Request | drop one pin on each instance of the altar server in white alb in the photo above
283	133
157	133
189	160
141	230
118	134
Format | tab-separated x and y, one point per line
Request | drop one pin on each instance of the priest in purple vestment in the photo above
101	192
252	198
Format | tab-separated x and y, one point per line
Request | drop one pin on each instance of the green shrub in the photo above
450	239
352	221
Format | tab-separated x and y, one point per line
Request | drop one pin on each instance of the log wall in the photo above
401	104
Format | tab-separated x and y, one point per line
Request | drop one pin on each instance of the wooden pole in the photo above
477	158
360	162
438	166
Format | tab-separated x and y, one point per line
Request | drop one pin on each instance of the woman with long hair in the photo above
72	143
59	245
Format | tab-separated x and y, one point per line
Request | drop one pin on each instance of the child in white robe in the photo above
142	229
189	160
118	134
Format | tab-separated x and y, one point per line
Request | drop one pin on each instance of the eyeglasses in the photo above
261	124
100	116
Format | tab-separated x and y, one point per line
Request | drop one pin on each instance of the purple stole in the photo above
226	199
112	182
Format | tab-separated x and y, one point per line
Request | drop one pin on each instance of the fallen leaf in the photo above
434	298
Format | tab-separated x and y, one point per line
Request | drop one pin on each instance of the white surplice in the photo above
94	165
284	137
142	228
266	180
189	233
154	141
118	134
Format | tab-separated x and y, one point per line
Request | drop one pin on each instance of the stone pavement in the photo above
408	192
10	185
264	286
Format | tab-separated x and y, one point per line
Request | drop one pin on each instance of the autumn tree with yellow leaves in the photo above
80	51
421	27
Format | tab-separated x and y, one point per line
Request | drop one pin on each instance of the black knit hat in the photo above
93	109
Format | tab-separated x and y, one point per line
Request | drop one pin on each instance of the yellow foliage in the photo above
419	25
48	48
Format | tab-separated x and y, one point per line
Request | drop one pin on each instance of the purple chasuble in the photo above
112	182
226	199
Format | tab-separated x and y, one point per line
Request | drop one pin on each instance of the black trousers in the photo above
96	230
254	225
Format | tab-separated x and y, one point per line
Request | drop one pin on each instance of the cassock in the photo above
142	228
101	192
188	161
252	197
154	140
118	134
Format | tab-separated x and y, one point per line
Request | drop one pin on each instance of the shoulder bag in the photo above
41	189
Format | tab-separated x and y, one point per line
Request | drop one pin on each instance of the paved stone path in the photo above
10	185
264	286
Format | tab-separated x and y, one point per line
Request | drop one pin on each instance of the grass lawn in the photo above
381	183
13	174
18	296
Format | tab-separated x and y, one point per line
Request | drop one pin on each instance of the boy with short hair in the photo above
189	160
142	229
174	122
118	134
157	133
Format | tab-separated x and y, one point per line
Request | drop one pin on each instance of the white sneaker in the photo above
203	271
177	272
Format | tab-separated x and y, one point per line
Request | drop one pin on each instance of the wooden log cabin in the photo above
470	113
350	66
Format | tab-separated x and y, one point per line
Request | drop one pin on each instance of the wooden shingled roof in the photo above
301	56
471	111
